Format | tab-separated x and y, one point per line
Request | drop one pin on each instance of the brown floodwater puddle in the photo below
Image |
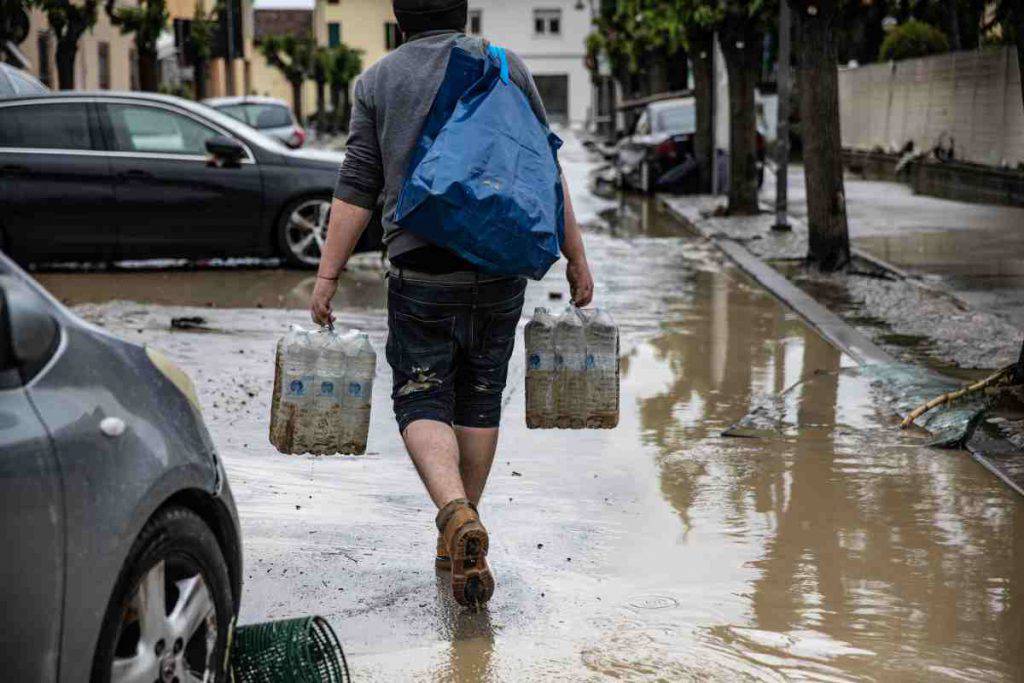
837	548
215	287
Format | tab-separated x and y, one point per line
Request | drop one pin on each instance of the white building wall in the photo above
510	24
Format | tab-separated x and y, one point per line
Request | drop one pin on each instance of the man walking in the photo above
451	327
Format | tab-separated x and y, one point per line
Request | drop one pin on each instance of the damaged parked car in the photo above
659	153
121	545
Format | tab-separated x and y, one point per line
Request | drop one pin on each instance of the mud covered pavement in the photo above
839	549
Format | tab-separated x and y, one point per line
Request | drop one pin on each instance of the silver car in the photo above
121	547
268	115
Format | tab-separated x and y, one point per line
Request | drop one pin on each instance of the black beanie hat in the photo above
416	16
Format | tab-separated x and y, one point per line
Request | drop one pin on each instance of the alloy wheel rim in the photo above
306	231
168	629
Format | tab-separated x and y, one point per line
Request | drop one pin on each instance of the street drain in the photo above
653	602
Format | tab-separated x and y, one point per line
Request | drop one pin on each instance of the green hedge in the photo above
913	39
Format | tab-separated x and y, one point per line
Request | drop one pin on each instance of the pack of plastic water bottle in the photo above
572	370
323	389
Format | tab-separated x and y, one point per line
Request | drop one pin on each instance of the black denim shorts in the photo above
449	345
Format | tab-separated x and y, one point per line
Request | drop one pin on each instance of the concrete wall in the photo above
509	23
973	97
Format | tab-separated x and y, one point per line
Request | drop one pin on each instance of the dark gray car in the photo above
121	549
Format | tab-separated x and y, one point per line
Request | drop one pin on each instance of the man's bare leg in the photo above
435	453
476	455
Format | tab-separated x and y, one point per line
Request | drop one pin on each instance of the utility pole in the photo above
782	138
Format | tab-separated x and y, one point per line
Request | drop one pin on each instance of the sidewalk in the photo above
933	316
975	251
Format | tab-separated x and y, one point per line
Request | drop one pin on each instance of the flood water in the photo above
838	549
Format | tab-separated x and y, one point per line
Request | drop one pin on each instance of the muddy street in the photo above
835	549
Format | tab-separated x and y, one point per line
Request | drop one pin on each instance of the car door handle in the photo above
13	169
136	174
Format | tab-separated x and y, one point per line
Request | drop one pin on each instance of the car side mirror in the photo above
226	151
29	335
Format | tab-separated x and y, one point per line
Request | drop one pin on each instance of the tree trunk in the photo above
199	77
704	92
953	22
297	100
149	68
67	51
742	49
335	93
346	109
321	106
829	243
1020	50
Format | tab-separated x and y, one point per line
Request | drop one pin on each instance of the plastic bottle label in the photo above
297	388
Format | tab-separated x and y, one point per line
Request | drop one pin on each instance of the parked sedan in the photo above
121	545
113	176
659	154
270	116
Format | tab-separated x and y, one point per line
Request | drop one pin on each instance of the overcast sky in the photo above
283	4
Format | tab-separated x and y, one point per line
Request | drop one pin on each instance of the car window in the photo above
51	125
679	119
140	128
265	116
236	111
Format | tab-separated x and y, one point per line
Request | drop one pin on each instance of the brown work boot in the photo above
442	562
466	541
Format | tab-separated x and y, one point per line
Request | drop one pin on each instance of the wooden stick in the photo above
954	395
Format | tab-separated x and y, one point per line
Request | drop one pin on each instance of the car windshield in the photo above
25	84
681	118
238	127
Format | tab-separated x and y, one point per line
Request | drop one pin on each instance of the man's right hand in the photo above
320	305
581	283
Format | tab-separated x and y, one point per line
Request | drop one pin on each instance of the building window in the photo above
103	63
476	21
43	45
392	35
547	22
334	34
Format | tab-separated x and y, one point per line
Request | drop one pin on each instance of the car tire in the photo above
175	551
302	230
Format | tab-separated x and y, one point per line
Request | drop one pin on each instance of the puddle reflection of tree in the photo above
713	356
874	543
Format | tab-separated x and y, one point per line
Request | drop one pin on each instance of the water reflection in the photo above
361	287
874	556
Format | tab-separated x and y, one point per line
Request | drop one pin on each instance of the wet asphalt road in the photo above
838	549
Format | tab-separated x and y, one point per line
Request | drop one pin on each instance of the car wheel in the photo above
302	231
171	611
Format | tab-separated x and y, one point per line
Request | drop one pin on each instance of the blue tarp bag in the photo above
484	179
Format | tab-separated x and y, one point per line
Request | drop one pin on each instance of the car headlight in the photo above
176	375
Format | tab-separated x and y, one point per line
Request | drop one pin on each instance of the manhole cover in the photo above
653	602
